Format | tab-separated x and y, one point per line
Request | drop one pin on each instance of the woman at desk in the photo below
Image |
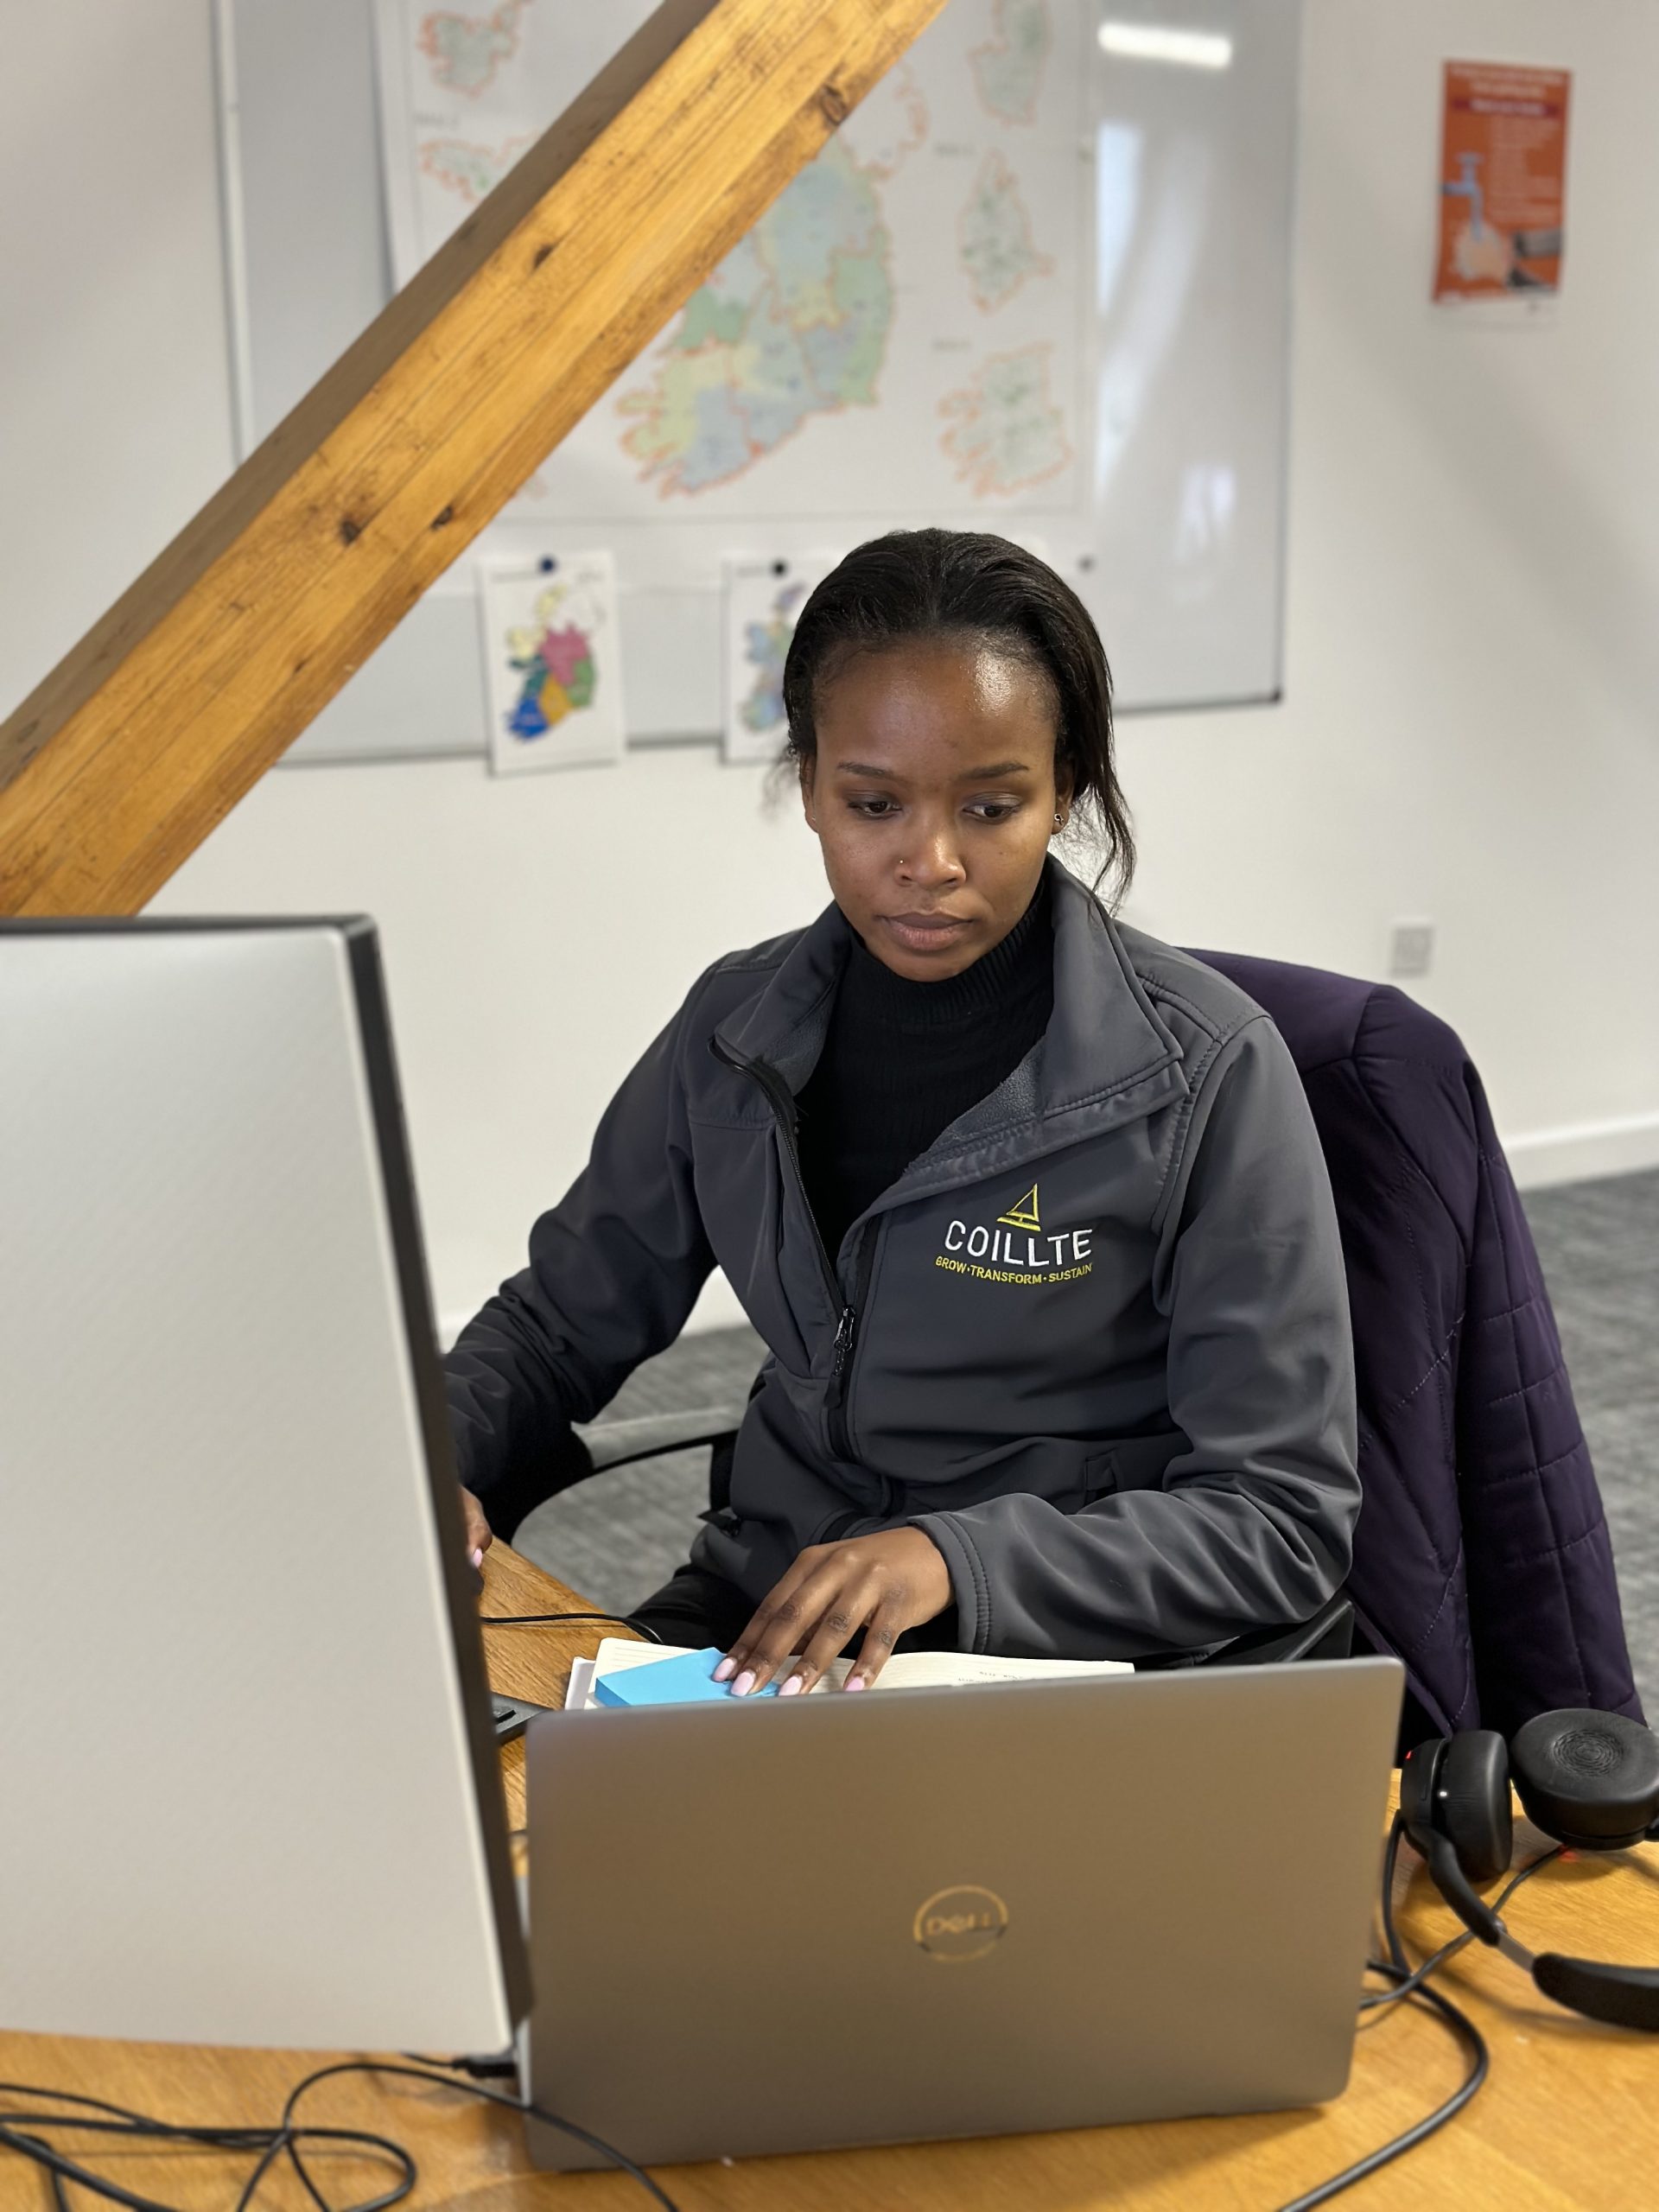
1027	1206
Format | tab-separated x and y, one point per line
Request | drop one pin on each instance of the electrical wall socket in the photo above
1411	947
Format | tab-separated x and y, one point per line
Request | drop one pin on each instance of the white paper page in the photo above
919	1670
905	1670
580	1681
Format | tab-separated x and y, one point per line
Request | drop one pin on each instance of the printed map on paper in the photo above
900	331
765	646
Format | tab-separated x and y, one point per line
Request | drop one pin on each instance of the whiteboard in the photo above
1177	275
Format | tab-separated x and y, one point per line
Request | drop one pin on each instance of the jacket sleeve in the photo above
1251	1524
614	1270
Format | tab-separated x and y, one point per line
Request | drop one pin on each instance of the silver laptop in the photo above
966	1911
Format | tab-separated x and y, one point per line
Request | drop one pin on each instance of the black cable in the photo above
126	2122
132	2122
1409	1982
1449	1949
529	1620
1390	1933
1462	2026
446	2080
287	2139
1390	1857
481	2069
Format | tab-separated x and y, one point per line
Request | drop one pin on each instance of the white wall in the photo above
1469	727
115	404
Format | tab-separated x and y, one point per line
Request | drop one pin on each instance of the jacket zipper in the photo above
781	1100
846	1345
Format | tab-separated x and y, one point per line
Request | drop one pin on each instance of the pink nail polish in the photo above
856	1682
723	1672
478	1558
792	1687
744	1683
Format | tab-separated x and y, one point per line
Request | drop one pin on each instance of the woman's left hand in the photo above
883	1584
478	1538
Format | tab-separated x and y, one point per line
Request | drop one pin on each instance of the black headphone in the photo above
1589	1779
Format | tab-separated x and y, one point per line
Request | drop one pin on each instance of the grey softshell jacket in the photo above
1094	1341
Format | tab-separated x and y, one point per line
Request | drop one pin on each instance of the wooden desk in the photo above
1569	2118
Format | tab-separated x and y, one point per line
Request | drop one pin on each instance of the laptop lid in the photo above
250	1791
936	1913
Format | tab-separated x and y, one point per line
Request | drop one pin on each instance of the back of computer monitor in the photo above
248	1789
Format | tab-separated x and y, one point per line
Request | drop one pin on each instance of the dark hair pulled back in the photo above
933	583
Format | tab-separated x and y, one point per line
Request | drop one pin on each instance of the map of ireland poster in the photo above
552	661
897	330
764	592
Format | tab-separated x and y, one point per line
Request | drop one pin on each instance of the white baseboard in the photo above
1620	1145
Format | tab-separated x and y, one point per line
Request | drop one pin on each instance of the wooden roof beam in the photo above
141	741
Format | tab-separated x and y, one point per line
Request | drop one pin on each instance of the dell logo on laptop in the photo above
961	1922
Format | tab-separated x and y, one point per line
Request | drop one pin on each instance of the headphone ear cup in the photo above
1419	1771
1472	1802
1589	1779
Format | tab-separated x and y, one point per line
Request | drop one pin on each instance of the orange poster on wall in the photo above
1503	181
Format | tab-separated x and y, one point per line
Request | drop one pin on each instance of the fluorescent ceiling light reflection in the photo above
1149	43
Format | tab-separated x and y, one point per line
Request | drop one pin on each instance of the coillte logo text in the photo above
1017	1250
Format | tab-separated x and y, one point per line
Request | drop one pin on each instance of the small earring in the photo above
1060	822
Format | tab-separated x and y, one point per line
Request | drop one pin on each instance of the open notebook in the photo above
905	1670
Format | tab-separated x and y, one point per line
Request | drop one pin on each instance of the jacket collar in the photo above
1105	1058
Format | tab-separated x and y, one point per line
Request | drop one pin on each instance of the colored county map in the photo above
994	233
1006	432
471	171
465	51
765	648
793	323
1008	69
553	655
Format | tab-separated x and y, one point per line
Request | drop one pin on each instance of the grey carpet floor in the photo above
617	1537
1599	1244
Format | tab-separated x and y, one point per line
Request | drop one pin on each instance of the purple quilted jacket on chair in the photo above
1482	1557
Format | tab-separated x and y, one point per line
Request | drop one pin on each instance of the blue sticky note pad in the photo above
688	1680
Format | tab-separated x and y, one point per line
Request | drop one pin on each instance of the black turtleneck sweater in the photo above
902	1060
